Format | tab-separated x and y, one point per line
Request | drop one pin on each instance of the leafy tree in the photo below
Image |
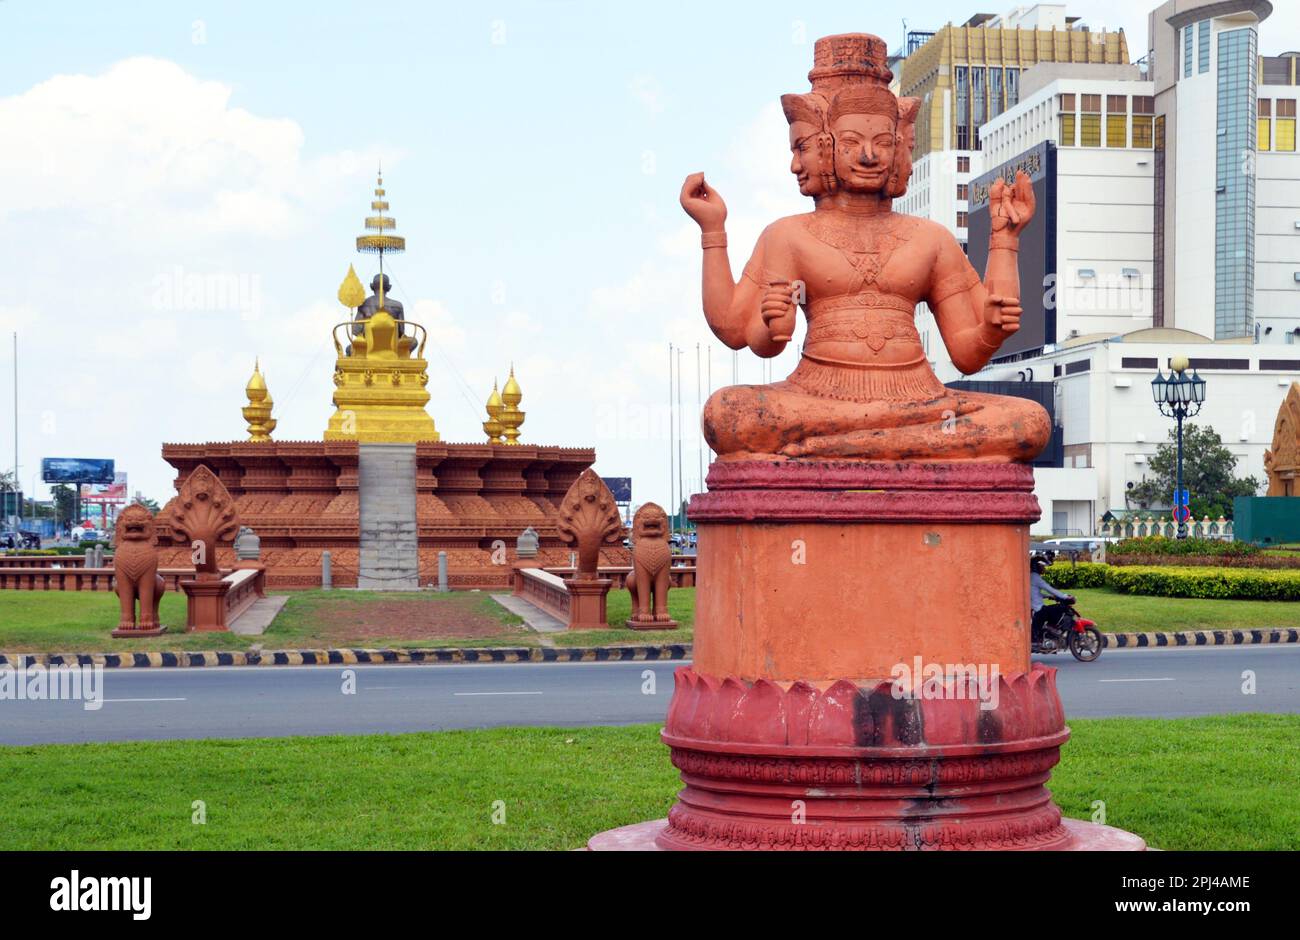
149	504
65	500
1209	474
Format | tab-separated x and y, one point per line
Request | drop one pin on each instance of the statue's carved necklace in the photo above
866	244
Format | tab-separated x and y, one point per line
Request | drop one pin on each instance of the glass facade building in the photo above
1234	214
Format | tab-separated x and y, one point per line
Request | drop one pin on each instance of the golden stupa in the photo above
511	417
380	375
258	410
493	427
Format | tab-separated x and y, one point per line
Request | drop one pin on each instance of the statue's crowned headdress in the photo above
851	75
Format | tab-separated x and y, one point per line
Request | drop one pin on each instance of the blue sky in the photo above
533	153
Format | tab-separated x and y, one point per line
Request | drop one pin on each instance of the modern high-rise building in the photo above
1168	224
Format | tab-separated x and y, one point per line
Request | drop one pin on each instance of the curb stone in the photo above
1200	638
352	657
547	654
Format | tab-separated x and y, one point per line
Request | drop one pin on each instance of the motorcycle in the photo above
1065	629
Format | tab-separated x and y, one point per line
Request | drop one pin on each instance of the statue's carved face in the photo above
864	151
805	159
650	523
135	524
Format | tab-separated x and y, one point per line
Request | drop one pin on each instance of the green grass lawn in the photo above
1125	613
81	621
1200	783
618	608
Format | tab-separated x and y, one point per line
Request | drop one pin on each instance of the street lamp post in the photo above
1178	396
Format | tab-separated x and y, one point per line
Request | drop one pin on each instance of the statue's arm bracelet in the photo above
713	240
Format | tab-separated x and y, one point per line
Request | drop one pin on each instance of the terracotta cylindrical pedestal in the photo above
861	674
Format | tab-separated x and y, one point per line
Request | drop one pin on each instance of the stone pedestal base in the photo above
1080	837
206	605
587	603
121	633
635	624
861	674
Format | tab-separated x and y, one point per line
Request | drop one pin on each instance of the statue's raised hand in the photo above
1011	206
703	204
778	310
1003	313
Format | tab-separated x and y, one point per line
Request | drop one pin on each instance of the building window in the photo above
963	164
1090	121
1203	46
1066	138
963	109
1158	227
1187	52
1013	87
1264	125
1143	108
979	111
963	191
995	92
961	219
1284	131
1116	121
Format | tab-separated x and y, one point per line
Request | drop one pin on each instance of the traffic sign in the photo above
1182	513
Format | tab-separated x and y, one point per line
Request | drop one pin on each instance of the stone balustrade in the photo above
680	577
76	578
246	586
545	590
1206	528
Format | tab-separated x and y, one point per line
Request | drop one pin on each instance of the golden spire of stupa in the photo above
258	410
493	427
511	417
381	225
352	293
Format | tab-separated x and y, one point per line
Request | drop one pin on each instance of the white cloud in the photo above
153	152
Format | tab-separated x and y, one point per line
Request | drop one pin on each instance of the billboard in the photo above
76	470
114	492
621	487
1037	258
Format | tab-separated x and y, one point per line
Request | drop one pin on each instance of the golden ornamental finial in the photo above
258	410
351	292
511	417
493	427
381	225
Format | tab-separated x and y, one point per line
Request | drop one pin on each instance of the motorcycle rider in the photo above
1038	586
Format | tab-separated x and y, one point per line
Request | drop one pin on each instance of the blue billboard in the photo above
620	487
76	470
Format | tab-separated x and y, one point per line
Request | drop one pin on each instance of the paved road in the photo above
283	700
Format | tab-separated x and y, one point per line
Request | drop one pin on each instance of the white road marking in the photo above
145	700
1161	679
496	693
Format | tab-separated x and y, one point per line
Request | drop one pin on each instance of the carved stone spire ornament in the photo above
1282	460
589	520
203	516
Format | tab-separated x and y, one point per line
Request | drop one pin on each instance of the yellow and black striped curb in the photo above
1200	638
353	657
575	654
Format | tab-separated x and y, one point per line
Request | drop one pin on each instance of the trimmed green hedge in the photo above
1162	545
1196	582
1086	574
28	552
1216	583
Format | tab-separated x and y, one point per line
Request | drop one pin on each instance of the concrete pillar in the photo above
326	573
442	571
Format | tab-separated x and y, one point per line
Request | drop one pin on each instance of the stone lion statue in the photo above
135	569
651	559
